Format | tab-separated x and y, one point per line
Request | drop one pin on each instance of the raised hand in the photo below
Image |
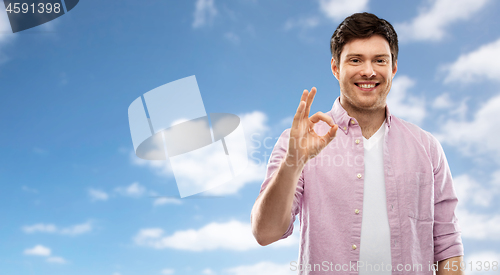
304	143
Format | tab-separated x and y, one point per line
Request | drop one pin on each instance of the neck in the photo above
369	120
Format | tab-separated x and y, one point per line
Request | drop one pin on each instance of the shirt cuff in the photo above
448	246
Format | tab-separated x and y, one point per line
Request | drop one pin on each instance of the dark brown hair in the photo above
363	25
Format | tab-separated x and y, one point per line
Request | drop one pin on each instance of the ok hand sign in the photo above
304	143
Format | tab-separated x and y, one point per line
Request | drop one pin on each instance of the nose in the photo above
367	70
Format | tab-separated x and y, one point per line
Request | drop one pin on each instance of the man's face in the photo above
365	73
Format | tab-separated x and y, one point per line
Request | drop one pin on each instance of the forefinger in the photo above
322	116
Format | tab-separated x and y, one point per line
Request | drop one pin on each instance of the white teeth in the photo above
366	86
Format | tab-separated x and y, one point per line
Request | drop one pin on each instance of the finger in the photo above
300	110
322	116
330	135
310	99
305	93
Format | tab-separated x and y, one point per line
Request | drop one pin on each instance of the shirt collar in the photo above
344	121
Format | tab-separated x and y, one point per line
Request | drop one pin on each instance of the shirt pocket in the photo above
419	195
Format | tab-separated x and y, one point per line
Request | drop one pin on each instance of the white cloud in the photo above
477	136
56	260
159	167
204	169
262	268
6	35
74	230
254	172
478	226
167	271
232	37
286	122
98	195
452	108
460	109
31	190
442	102
485	224
136	190
4	27
335	10
432	21
166	200
254	123
40	227
481	64
403	105
339	9
301	23
133	190
38	250
469	191
232	235
77	229
204	13
479	260
208	271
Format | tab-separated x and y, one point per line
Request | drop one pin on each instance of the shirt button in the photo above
357	141
356	211
353	122
354	246
359	176
345	128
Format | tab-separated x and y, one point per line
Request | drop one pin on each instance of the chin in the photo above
368	104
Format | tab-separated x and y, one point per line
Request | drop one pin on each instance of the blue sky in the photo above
75	199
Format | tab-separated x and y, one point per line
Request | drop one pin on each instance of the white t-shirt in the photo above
375	247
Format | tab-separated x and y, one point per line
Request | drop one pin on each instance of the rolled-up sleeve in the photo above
447	232
273	165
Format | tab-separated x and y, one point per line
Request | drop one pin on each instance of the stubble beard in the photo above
355	103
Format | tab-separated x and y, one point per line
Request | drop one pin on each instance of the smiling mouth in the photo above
367	85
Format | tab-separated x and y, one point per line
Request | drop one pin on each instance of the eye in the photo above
381	61
355	60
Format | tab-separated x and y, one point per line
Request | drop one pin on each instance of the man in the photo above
379	199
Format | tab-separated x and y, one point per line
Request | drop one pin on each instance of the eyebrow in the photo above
360	55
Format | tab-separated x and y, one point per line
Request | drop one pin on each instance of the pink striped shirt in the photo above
420	198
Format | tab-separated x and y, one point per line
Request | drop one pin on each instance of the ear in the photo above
395	69
335	69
